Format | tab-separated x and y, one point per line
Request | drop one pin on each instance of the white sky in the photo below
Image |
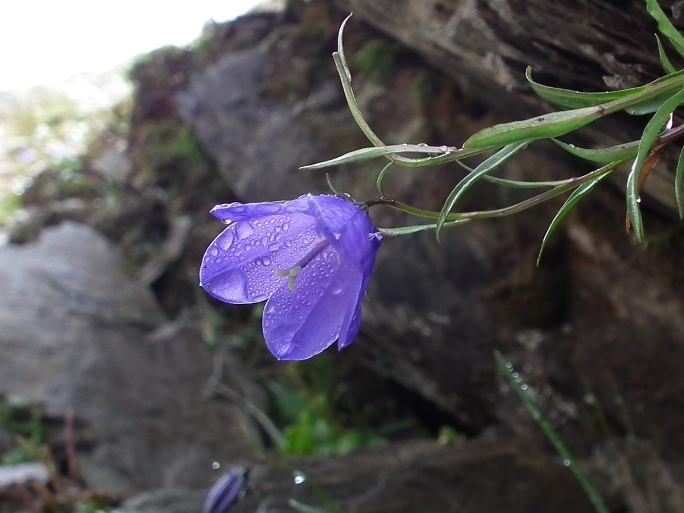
43	41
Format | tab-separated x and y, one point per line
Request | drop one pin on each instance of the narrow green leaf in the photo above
381	151
576	99
602	155
648	106
407	230
548	125
485	167
679	175
664	60
516	184
346	78
665	26
651	131
569	204
381	178
638	100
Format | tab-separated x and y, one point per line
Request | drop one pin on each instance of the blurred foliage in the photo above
376	59
24	421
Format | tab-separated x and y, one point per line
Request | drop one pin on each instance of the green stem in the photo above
562	187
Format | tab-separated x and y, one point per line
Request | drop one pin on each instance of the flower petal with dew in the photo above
311	258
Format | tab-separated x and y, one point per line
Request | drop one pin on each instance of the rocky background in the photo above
141	385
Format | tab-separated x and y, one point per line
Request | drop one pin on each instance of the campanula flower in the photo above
225	492
311	258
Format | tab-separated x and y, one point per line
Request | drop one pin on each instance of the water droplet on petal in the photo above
226	241
214	252
266	261
244	230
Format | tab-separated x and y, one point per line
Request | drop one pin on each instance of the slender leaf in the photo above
517	184
345	78
664	60
651	131
602	155
382	151
485	167
569	204
548	125
648	106
665	26
637	100
407	230
679	175
576	99
381	178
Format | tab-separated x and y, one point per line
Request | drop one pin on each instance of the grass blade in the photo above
516	382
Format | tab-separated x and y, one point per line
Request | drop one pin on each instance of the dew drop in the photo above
214	252
216	465
274	247
244	230
266	261
524	386
226	241
566	463
299	478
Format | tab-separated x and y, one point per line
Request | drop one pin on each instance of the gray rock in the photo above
73	336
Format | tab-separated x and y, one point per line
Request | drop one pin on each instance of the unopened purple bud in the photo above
225	492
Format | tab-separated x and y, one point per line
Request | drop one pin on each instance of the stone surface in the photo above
74	336
466	477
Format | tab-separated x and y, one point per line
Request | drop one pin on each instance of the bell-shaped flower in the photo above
311	258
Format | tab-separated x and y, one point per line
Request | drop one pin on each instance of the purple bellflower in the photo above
225	492
311	258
